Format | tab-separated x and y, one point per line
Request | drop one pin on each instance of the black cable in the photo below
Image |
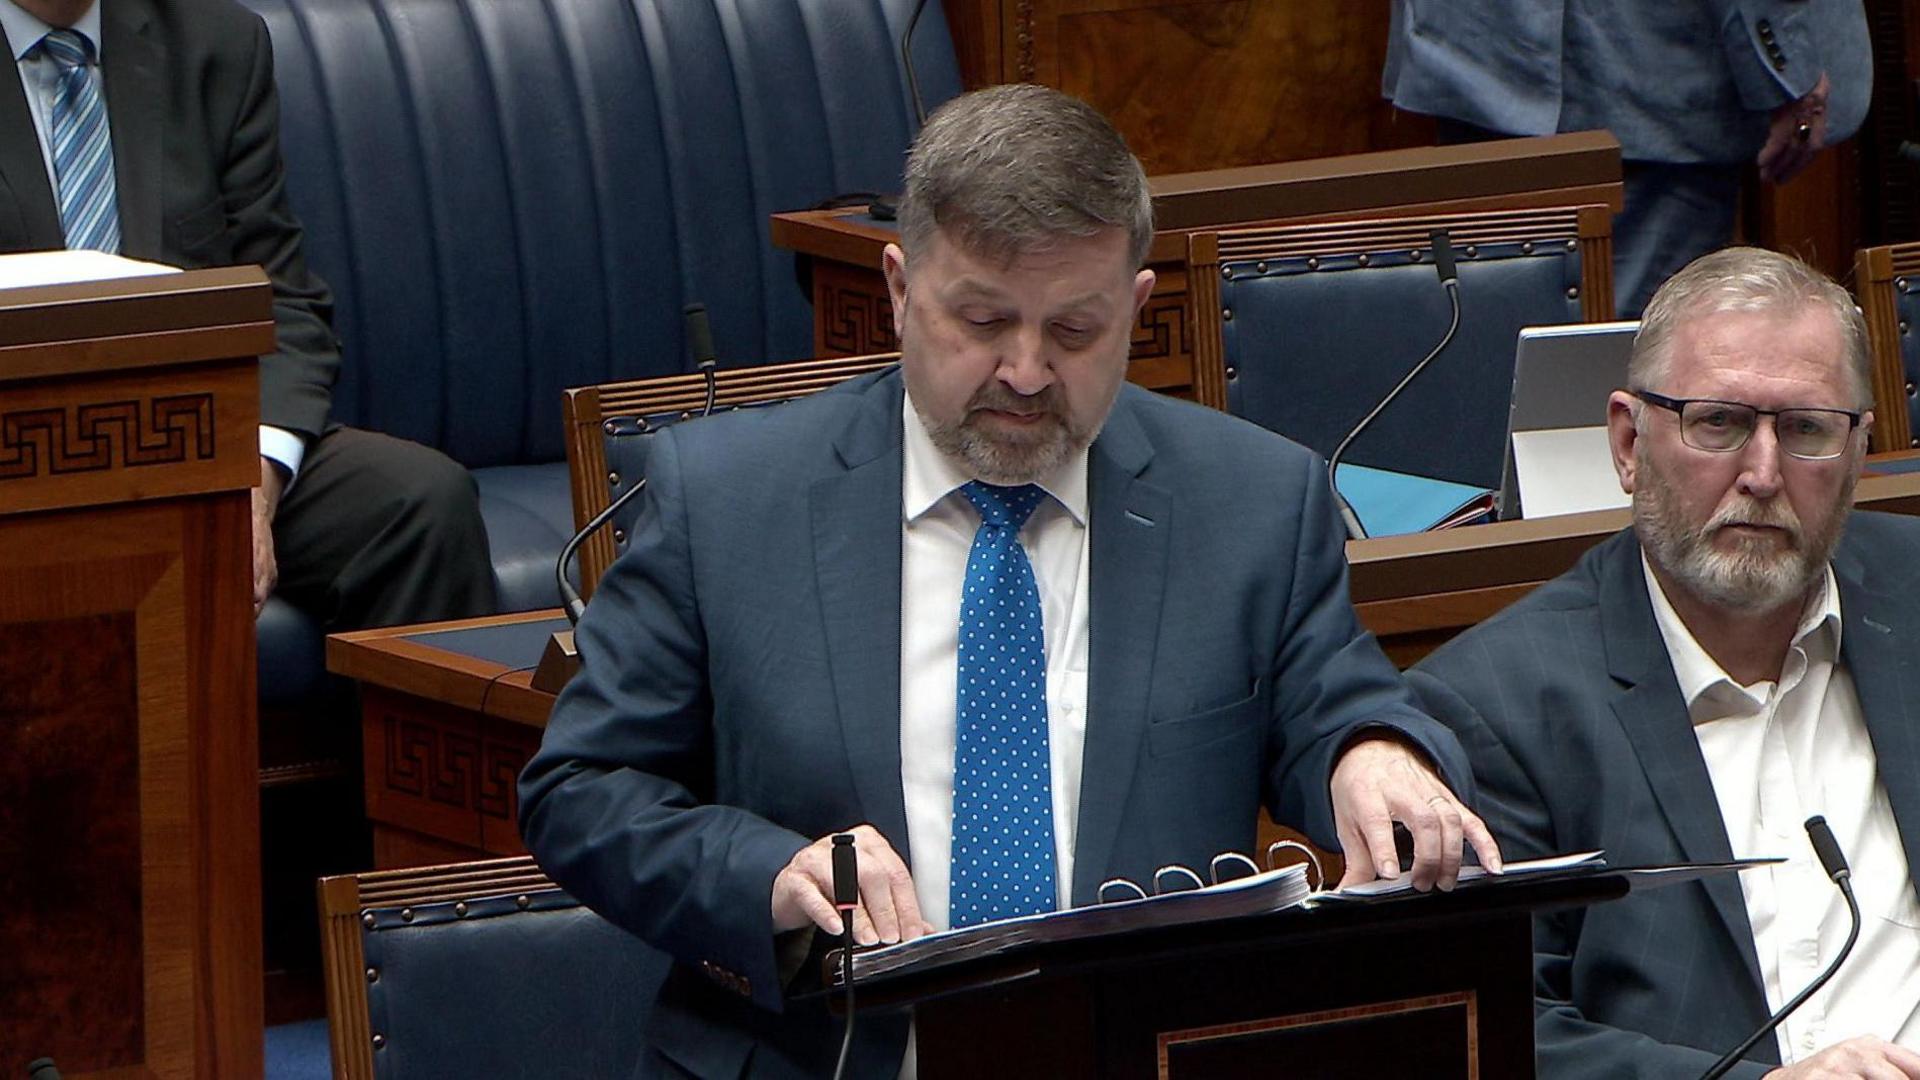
1333	462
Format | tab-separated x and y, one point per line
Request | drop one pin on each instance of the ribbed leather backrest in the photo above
511	197
1313	342
489	988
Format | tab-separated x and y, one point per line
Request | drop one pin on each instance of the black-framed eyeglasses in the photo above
1725	426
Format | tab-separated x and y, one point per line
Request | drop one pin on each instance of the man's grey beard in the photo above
1751	578
1020	457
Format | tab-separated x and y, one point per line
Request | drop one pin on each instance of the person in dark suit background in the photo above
1695	92
151	128
1699	685
1017	625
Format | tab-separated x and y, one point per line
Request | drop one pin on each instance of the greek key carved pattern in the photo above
1161	330
431	763
96	437
499	777
858	323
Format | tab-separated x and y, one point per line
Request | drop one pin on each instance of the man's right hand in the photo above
1856	1059
888	911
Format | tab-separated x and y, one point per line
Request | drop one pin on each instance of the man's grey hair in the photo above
1746	279
1012	169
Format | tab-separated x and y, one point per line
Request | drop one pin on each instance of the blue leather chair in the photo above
479	969
514	197
1317	322
610	427
1887	281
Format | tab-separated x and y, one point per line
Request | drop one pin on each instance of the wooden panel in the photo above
1816	216
1197	84
142	751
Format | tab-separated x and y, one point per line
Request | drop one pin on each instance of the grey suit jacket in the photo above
197	171
741	691
1676	81
1568	706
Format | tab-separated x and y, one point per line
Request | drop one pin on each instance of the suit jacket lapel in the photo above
1131	520
1886	682
135	92
856	544
25	172
1651	710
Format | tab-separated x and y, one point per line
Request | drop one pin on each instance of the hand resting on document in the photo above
888	911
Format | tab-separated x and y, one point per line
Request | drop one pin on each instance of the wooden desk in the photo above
129	800
852	315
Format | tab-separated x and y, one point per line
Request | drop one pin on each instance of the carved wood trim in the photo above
1209	346
101	436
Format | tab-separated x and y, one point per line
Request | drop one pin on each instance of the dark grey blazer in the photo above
197	173
1568	707
741	689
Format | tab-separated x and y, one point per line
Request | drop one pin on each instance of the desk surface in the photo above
485	665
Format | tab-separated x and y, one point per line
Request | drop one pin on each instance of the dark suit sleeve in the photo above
616	805
1567	1043
296	382
1331	682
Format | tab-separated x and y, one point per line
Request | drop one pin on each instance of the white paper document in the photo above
33	268
1565	471
1404	883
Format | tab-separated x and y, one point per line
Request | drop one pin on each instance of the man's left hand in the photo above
1795	135
1380	780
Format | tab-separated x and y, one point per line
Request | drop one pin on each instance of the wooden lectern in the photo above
129	805
1436	987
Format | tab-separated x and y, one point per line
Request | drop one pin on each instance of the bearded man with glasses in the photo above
1697	686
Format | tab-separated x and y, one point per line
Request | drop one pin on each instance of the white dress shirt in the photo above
937	529
1778	753
40	78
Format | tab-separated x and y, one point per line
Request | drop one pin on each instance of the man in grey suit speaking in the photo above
1698	686
1017	625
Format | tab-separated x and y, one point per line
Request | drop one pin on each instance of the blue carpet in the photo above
299	1052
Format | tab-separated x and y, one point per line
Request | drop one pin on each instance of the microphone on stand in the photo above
560	659
42	1069
1835	864
888	208
846	897
1450	279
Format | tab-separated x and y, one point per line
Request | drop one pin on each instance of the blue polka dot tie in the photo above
1002	791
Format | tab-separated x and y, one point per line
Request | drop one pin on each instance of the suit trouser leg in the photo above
1674	214
378	531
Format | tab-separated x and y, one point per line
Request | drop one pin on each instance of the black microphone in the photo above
1827	849
1450	280
846	897
886	209
700	343
42	1069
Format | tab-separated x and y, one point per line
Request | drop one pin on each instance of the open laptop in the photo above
1557	457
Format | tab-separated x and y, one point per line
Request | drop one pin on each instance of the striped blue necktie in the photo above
1003	859
82	146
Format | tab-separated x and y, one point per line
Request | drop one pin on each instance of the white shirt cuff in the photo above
284	447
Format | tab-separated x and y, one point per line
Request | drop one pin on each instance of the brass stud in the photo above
613	479
619	536
366	919
1416	254
1260	267
1313	262
1526	247
1226	314
609	427
1900	283
406	914
379	1041
1362	259
523	902
1227	272
373	975
1915	444
1903	326
686	414
460	909
1571	245
1232	371
1909	389
1573	292
1473	251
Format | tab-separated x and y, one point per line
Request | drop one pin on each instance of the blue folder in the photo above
1391	503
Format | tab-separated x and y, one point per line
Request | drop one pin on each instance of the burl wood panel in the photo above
1215	83
129	682
70	894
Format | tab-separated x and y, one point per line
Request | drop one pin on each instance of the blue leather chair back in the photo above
530	985
1907	307
511	197
1315	334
